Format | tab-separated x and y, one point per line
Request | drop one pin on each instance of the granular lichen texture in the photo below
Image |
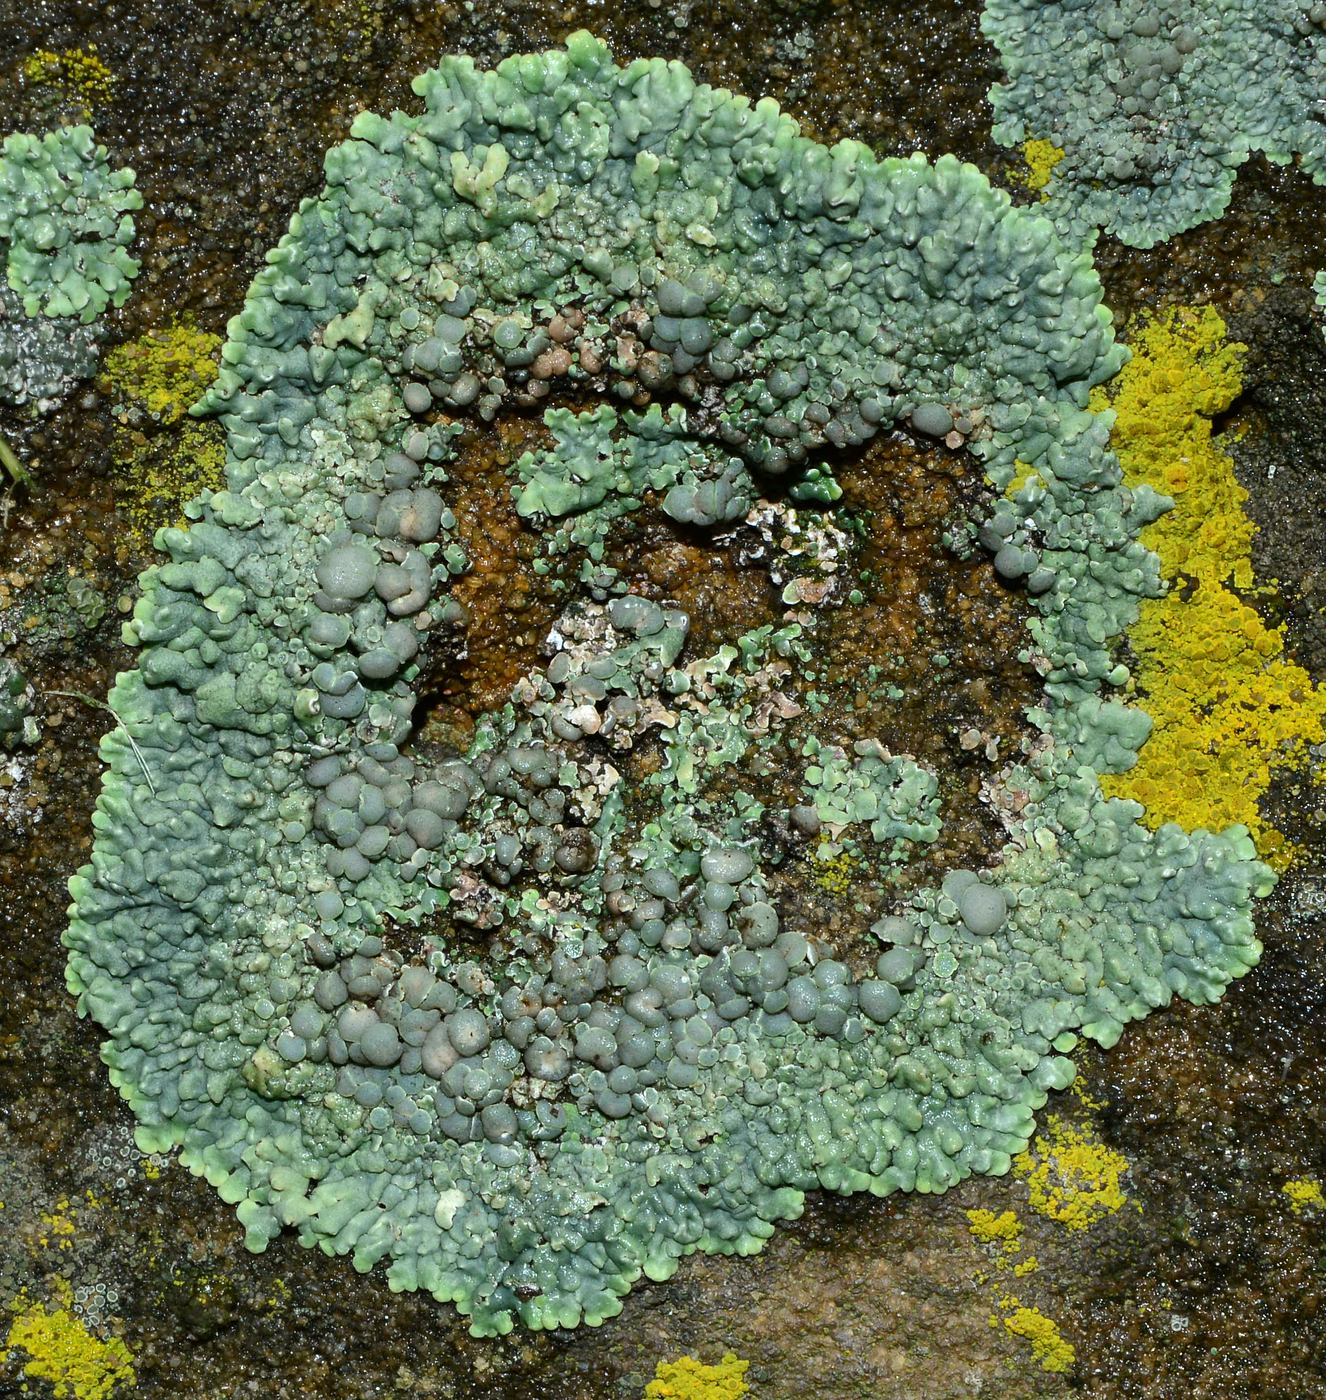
163	458
61	1351
526	1020
1048	1346
1229	706
689	1379
165	371
1154	106
77	77
1071	1176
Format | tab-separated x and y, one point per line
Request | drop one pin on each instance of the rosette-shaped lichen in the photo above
517	1026
1155	105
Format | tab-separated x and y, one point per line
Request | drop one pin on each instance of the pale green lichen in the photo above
64	227
65	218
649	1060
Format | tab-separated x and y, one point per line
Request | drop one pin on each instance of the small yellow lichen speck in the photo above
1304	1193
1004	1229
57	1226
1047	1344
1082	1094
1071	1176
1041	157
1229	707
834	868
689	1379
62	1351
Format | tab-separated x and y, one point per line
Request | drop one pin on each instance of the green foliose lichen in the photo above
1152	105
66	221
648	1057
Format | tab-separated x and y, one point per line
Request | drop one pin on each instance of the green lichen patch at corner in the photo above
607	1046
1156	105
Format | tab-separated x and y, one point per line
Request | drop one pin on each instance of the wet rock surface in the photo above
1206	1282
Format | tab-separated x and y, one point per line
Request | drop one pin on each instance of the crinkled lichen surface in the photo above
65	215
65	225
1156	105
517	1027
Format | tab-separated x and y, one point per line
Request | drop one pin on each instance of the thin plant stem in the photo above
102	705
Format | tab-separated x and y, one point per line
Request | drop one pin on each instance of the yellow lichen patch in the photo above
1071	1176
57	1226
1047	1343
165	371
155	477
835	868
689	1379
1004	1229
1082	1094
1304	1193
77	76
1228	706
1004	1233
1041	157
162	374
62	1351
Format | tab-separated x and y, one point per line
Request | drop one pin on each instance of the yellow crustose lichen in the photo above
1004	1229
1229	706
689	1379
165	371
1047	1344
1041	157
1071	1176
62	1351
1304	1193
76	76
162	374
835	869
